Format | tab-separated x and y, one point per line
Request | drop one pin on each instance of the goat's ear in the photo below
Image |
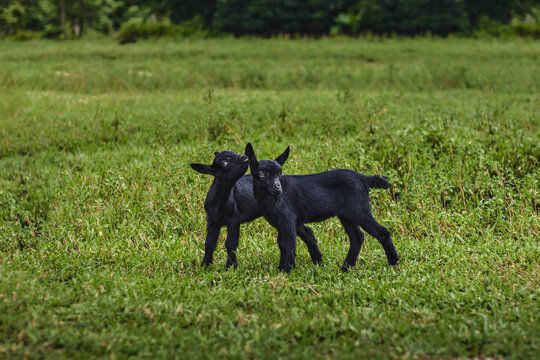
252	158
283	157
202	168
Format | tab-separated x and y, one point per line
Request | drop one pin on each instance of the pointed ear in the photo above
202	168
252	158
283	157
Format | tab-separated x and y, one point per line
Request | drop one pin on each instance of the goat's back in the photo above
317	197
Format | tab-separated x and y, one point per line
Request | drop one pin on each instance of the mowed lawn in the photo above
102	223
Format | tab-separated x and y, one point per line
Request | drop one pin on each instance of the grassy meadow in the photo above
102	222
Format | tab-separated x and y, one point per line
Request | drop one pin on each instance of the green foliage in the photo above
182	11
403	17
12	19
106	16
41	14
52	32
438	17
265	18
135	30
274	17
490	28
365	16
102	221
501	11
24	35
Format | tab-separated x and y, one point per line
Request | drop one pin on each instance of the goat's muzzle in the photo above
276	189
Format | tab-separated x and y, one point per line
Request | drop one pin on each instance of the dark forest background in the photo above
132	19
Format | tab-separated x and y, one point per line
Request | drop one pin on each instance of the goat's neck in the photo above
263	198
218	196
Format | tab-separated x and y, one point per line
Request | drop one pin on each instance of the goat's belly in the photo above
315	216
248	217
274	221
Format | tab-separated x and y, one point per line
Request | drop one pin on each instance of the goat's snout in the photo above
276	189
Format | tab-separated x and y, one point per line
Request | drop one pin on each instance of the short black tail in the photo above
377	181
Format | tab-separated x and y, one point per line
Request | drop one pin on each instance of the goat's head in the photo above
227	165
266	173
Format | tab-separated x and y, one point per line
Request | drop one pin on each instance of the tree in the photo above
436	16
12	18
273	17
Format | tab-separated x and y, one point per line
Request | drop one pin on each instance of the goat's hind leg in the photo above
373	228
306	234
356	237
281	251
231	244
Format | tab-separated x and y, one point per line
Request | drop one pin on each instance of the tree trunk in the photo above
63	17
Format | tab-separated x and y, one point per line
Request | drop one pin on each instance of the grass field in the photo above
102	220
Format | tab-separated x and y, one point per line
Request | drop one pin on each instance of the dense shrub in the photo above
52	32
523	30
192	28
133	31
24	35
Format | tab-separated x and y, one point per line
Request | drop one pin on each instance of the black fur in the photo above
290	201
230	202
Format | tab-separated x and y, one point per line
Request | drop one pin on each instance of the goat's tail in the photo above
377	181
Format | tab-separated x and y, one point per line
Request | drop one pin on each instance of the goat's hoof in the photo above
229	265
206	263
285	269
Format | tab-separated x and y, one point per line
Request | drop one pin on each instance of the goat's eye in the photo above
224	164
261	174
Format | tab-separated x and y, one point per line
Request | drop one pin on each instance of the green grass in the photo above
102	220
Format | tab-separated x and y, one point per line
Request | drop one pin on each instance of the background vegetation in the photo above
135	19
102	222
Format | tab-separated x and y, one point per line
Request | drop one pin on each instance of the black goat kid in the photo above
230	202
290	201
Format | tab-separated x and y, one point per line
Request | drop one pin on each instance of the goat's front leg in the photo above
231	244
212	235
287	237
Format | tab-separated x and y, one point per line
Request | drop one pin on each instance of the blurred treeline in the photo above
133	19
